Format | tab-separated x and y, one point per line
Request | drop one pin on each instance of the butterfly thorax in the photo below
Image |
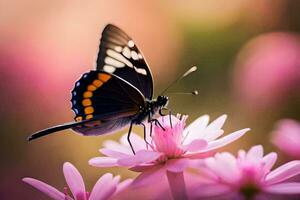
151	108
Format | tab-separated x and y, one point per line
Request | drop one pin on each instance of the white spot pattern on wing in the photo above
109	69
118	49
140	71
126	52
130	43
113	62
134	55
140	56
119	57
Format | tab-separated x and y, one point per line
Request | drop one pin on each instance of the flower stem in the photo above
177	185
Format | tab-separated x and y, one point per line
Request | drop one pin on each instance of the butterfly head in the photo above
162	101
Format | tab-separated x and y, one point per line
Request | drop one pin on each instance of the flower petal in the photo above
284	172
255	153
210	190
225	140
287	137
123	185
140	157
141	168
113	145
269	160
217	123
200	155
113	153
150	176
74	181
230	173
103	162
284	188
104	188
177	165
195	129
195	145
242	154
137	142
213	130
211	135
52	192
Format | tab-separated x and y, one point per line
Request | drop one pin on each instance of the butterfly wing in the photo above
119	55
102	95
103	103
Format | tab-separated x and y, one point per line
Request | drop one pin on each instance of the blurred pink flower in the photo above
105	187
170	149
286	137
267	70
248	176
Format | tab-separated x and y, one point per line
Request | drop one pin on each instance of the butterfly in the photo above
118	93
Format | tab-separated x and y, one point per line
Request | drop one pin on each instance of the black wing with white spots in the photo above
119	55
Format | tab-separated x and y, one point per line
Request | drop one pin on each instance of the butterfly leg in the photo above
150	121
170	118
145	135
128	137
163	113
157	123
151	129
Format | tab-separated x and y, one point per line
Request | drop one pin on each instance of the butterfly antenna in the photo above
195	92
191	70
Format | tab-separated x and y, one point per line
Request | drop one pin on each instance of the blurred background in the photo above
247	53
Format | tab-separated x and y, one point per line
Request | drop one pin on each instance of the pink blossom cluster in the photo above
179	162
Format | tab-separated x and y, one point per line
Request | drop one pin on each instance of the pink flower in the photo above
248	176
287	137
105	187
169	149
267	70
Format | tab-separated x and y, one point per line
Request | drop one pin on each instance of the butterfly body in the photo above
152	107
